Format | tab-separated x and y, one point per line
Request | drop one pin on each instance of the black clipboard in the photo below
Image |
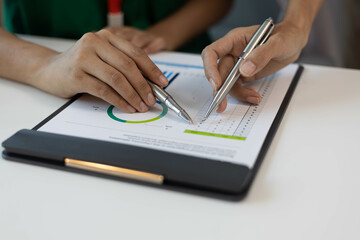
131	163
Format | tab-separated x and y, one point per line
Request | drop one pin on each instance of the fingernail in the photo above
247	68
151	98
131	109
212	82
164	80
143	107
253	100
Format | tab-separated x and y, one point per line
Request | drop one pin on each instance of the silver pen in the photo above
260	36
167	99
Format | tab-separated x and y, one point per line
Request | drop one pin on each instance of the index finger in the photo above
210	56
141	59
232	43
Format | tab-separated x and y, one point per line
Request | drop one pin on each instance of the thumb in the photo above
257	60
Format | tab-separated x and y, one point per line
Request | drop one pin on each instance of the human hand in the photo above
146	40
282	48
105	66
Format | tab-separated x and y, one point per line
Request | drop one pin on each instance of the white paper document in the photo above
234	136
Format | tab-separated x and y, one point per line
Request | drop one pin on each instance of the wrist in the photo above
300	14
42	71
302	32
300	23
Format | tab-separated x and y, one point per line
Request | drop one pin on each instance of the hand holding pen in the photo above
259	38
283	47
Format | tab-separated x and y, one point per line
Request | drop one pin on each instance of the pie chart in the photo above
155	112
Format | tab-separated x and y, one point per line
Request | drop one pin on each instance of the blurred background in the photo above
335	36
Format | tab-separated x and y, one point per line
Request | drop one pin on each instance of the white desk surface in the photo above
308	186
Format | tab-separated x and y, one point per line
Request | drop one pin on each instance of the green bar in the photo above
215	135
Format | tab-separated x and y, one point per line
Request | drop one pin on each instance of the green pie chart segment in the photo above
110	112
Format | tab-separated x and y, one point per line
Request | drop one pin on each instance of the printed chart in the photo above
150	116
238	119
235	123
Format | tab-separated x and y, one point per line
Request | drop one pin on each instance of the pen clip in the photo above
260	36
266	37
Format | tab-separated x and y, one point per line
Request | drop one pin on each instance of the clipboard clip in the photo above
115	171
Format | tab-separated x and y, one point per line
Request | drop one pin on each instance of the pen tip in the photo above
186	117
206	116
190	120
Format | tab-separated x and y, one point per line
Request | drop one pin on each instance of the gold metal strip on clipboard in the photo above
115	171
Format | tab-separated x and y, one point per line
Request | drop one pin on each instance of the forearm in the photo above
302	13
192	19
20	60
